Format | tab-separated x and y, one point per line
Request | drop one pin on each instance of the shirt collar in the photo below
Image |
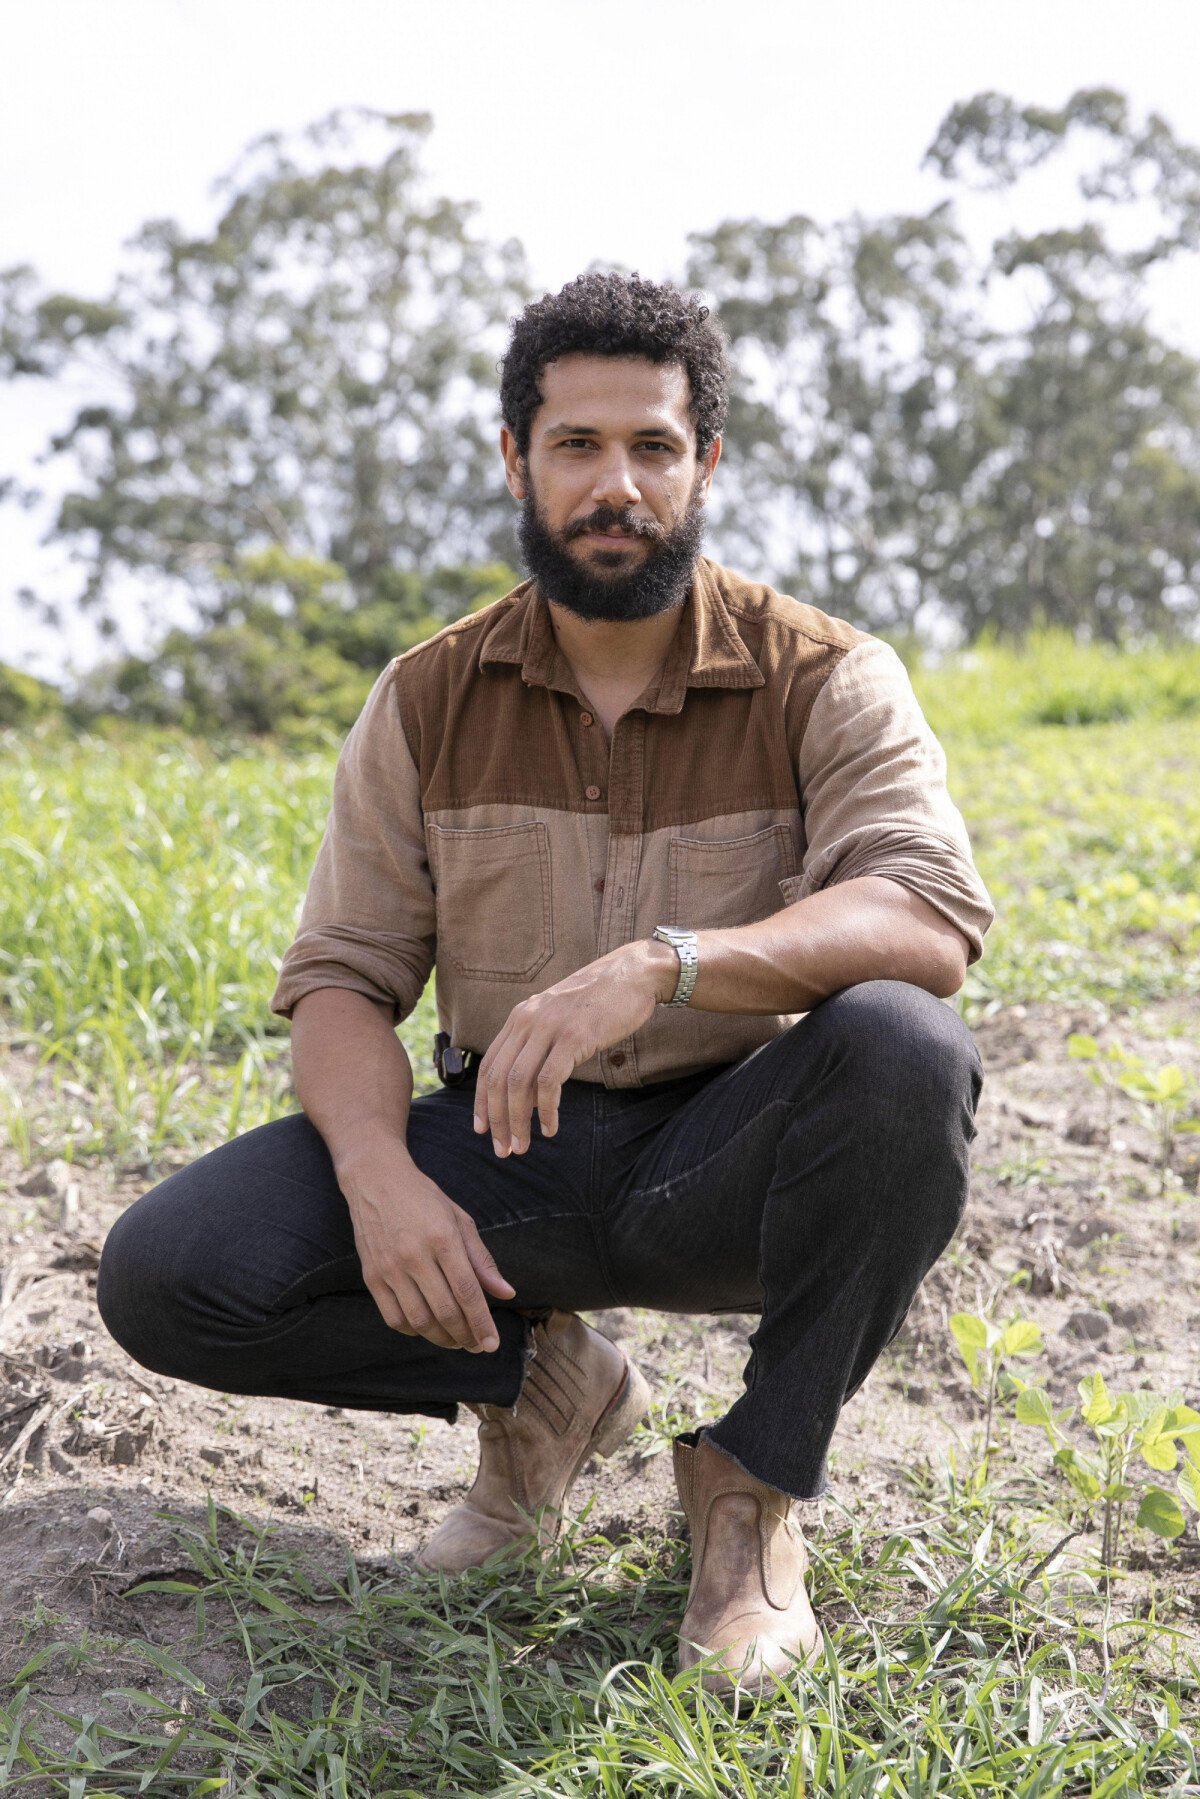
705	652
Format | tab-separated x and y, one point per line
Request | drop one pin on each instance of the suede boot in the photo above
581	1396
747	1601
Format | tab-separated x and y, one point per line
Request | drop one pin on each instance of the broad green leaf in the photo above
1160	1513
1033	1407
1022	1337
1095	1404
1080	1474
1119	1491
1189	1484
1170	1082
1160	1454
1140	1408
1082	1047
970	1332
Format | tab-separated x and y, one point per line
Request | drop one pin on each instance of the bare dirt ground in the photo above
98	1458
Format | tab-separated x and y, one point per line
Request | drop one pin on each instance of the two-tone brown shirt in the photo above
482	823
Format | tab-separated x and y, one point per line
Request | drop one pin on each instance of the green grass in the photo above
148	885
951	1668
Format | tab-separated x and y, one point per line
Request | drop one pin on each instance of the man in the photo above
681	851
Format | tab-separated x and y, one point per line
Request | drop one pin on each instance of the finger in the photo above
496	1048
461	1278
419	1316
484	1263
557	1068
390	1309
497	1106
523	1079
443	1300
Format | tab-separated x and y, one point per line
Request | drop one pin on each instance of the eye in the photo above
652	443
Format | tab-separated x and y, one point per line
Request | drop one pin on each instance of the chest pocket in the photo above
731	880
494	919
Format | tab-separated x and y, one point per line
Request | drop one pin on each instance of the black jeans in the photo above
815	1182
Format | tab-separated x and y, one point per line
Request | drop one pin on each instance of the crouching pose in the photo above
681	853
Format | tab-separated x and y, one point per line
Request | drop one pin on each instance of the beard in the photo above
660	581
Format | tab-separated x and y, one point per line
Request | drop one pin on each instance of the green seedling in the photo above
1107	1066
986	1347
1161	1096
1129	1426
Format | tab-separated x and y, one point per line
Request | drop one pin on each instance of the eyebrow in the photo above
656	428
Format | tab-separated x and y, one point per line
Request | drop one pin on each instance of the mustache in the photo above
608	518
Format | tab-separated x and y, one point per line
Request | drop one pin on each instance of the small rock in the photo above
1036	1117
1131	1317
214	1457
61	1464
1089	1325
98	1525
71	1368
1086	1230
1085	1128
47	1182
127	1448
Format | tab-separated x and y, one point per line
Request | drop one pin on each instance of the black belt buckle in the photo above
450	1063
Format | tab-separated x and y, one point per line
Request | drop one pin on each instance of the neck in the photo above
612	652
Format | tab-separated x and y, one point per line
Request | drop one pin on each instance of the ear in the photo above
514	465
708	465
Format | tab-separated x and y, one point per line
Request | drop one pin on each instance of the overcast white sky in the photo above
587	130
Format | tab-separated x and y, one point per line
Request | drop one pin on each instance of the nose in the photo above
614	484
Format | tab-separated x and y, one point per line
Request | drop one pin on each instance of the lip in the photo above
611	537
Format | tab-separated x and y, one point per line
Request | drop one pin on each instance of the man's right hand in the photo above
423	1260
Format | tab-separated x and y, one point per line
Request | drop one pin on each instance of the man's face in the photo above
613	492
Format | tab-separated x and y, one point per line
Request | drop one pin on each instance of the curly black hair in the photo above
616	315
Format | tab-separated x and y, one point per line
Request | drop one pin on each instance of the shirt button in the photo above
591	793
599	885
585	718
617	1059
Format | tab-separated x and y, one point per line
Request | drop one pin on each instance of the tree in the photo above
907	453
284	650
317	374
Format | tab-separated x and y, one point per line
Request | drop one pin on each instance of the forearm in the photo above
864	930
352	1075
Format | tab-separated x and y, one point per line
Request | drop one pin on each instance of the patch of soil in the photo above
1066	1225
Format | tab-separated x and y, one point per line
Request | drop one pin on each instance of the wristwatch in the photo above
685	944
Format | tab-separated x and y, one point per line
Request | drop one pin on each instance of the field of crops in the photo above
976	1643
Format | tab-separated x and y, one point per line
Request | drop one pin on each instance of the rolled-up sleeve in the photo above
873	786
368	921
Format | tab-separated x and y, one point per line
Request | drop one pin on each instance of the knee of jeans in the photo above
905	1053
137	1293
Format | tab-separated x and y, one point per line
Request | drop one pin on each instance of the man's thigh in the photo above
260	1225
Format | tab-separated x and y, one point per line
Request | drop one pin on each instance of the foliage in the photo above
24	699
987	1348
949	1668
1141	1424
308	375
149	884
285	650
921	433
1086	836
1162	1094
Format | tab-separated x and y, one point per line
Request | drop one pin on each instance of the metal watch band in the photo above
686	946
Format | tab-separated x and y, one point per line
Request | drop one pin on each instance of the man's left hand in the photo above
545	1038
